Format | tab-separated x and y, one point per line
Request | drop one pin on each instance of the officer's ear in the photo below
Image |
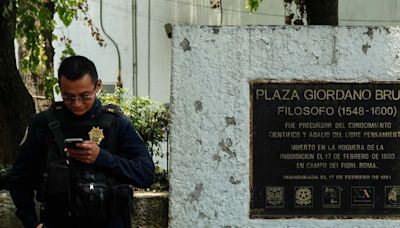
98	85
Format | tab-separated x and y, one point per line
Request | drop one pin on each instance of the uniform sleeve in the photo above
133	164
27	170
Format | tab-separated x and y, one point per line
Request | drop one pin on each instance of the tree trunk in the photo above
322	12
295	13
16	104
35	82
311	12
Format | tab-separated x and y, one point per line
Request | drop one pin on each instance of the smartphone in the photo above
71	142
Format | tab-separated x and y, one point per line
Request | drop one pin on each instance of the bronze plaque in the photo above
325	149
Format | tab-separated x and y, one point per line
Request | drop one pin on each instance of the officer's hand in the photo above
86	152
40	225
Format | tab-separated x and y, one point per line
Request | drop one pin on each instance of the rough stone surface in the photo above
210	137
151	210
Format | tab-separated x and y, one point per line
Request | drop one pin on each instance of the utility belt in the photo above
83	193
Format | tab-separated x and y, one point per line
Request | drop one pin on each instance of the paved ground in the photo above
7	210
151	211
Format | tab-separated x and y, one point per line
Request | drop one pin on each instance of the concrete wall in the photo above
369	12
210	139
154	47
117	21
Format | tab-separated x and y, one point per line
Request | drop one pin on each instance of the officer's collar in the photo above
95	108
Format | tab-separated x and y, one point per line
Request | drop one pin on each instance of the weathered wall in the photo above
154	62
150	210
210	138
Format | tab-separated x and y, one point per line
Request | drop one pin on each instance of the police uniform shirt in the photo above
131	163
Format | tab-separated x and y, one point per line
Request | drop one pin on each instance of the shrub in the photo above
151	120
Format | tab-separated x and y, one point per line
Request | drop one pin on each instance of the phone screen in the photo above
71	142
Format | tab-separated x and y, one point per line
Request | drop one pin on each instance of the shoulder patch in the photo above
111	108
57	106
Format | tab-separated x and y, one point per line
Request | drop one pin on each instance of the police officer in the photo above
111	149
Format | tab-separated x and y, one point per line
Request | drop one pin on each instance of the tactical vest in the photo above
106	120
75	189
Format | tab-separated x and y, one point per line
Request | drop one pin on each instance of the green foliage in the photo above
7	9
34	27
161	182
151	120
51	86
68	51
67	9
252	5
34	21
4	169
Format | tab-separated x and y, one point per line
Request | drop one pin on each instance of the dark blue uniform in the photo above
131	163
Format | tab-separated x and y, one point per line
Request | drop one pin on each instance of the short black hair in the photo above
75	67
